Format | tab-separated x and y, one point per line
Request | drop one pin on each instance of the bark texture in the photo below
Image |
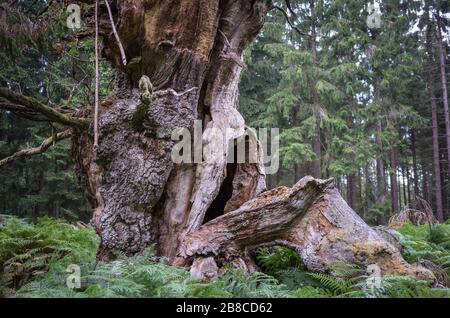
193	53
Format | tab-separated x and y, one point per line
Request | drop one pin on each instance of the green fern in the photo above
334	285
29	250
310	292
38	257
281	258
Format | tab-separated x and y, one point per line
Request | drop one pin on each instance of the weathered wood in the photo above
311	218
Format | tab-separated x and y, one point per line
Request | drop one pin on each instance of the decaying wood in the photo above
139	195
311	218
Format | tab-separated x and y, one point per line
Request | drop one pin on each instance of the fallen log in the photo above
311	218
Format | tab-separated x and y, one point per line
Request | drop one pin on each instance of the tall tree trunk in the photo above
381	177
299	171
351	191
415	170
394	186
360	188
426	182
404	183
408	186
442	67
435	127
317	164
368	190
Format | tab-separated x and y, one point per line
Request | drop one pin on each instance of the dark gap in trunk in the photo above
217	207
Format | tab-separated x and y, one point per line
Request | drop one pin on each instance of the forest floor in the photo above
43	258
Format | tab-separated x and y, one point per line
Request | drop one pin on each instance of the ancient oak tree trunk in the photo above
208	213
192	51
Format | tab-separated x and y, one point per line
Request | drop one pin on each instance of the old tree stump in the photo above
208	214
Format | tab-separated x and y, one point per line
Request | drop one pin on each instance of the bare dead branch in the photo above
47	143
289	6
36	106
161	93
116	35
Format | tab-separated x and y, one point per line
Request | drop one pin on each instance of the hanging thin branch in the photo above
116	35
289	21
289	6
96	79
47	143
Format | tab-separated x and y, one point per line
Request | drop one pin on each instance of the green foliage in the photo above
31	251
146	276
332	284
329	97
408	287
34	258
275	260
425	243
310	292
440	235
41	61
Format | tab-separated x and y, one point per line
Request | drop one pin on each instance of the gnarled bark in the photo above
193	53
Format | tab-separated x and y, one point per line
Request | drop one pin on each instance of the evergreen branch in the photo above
47	143
35	105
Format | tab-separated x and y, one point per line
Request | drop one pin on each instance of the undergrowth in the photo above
35	260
